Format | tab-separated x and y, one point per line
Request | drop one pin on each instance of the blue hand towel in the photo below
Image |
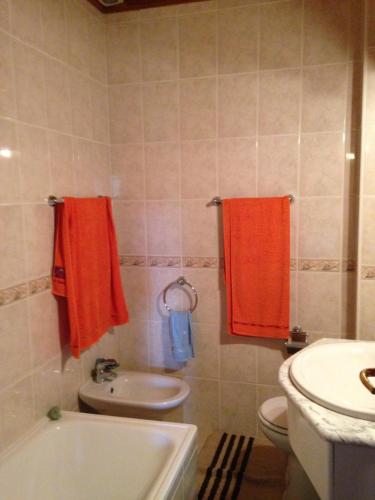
181	335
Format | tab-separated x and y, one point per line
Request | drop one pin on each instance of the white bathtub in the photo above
92	457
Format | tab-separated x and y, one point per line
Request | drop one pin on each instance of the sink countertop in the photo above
330	425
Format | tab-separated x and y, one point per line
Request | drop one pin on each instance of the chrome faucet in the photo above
103	371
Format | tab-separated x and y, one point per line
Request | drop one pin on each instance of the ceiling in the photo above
136	4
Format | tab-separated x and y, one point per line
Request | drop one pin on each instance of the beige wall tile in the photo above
9	169
98	50
30	89
7	83
161	356
44	329
199	229
369	168
54	28
278	165
82	110
135	286
319	301
198	108
280	34
35	172
320	228
279	101
101	166
159	49
322	164
367	310
237	105
100	113
157	12
238	40
193	7
134	345
223	4
238	361
78	36
26	21
270	355
202	406
237	167
71	382
368	231
47	387
206	350
125	113
14	342
130	219
4	15
61	162
325	31
82	166
16	410
160	108
59	109
210	289
238	408
127	171
162	171
163	228
197	45
198	164
324	91
39	223
123	51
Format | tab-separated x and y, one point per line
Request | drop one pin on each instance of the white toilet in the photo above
273	420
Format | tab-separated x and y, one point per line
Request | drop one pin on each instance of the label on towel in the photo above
59	272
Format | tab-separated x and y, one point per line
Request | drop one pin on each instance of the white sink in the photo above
329	374
135	390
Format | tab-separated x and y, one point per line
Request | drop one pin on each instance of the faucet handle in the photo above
106	364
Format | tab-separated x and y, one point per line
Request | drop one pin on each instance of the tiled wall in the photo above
232	98
54	119
366	296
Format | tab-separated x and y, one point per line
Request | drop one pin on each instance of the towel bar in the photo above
216	201
180	281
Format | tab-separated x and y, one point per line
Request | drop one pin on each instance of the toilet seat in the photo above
273	414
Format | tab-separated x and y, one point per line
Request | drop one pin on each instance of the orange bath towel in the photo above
257	260
86	269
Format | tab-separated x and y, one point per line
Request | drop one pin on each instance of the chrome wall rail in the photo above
181	281
216	201
53	200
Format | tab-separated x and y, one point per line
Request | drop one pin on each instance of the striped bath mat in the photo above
237	467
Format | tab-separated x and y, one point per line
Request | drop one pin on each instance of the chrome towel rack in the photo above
217	201
181	281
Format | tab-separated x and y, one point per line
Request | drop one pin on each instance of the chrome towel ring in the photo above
180	281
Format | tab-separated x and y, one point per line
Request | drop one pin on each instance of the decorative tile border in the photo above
201	262
133	260
23	290
368	273
160	261
319	265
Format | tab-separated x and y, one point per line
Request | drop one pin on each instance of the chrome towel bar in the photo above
182	282
216	201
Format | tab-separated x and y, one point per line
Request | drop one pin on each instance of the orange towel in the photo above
257	260
86	269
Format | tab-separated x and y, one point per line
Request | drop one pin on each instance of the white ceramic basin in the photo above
81	457
135	390
329	375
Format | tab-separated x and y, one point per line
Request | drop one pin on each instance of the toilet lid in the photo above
274	411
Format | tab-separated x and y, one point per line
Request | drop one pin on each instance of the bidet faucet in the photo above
103	371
